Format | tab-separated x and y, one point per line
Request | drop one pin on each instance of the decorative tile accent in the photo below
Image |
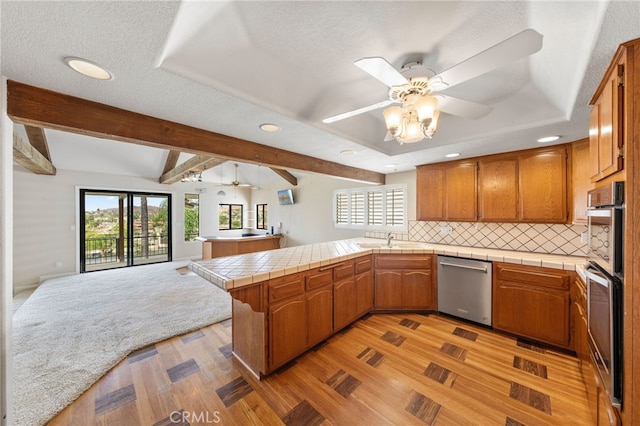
142	353
393	338
234	391
192	336
226	350
530	345
182	370
530	237
303	414
371	357
409	323
470	335
512	422
175	418
530	367
531	397
116	399
343	383
439	374
422	407
453	351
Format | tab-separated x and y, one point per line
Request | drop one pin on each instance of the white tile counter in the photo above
245	269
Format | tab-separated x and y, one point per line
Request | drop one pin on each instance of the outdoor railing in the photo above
105	249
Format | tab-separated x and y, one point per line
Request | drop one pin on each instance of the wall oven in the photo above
604	275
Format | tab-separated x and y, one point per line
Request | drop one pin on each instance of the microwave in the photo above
605	216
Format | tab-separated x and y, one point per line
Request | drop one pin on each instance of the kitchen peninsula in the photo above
229	246
286	301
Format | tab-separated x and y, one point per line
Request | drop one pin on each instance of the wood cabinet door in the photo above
345	296
460	192
594	141
543	185
364	290
430	196
539	313
287	331
607	148
417	290
580	180
498	189
319	314
387	289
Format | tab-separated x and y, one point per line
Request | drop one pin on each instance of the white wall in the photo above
46	228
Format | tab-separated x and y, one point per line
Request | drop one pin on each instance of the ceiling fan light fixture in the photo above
415	120
221	193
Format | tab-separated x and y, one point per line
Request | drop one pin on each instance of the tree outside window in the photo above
191	216
229	216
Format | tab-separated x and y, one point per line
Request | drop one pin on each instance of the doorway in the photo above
122	228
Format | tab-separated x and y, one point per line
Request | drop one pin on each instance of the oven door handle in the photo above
597	277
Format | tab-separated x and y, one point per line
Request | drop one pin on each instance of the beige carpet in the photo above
74	329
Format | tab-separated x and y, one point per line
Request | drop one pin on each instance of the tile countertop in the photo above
237	271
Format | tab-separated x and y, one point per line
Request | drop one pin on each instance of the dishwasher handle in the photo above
475	268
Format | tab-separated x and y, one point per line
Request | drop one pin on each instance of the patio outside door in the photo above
123	229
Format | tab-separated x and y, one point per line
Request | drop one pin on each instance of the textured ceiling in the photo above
230	66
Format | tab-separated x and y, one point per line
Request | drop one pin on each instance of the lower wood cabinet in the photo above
404	282
353	292
532	302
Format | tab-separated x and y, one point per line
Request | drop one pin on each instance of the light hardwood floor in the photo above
385	369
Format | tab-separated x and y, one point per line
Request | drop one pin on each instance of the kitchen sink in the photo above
398	245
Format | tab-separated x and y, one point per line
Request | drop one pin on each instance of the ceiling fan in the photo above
415	87
236	183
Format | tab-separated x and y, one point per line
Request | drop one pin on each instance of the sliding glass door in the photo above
122	229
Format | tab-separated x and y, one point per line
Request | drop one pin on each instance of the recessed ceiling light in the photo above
88	68
549	139
348	152
268	127
390	165
453	154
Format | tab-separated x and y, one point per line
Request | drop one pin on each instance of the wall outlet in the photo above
584	237
445	230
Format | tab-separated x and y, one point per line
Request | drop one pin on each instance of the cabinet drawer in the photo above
317	278
403	261
285	287
363	265
532	275
343	271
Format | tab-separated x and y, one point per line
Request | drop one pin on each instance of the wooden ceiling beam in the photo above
285	175
38	140
30	158
199	163
38	107
172	160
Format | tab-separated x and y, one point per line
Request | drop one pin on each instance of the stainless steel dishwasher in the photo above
464	288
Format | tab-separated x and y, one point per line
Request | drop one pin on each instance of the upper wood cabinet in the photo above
447	191
580	181
543	185
521	186
606	122
498	189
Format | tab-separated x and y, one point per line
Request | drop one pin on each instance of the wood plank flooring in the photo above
386	369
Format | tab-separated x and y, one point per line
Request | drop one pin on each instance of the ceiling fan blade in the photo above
521	45
462	108
357	111
382	70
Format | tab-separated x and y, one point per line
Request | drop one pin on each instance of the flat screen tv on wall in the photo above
285	197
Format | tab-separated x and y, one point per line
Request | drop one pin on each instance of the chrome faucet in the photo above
389	238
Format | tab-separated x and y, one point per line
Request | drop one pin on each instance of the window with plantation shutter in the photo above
342	209
380	207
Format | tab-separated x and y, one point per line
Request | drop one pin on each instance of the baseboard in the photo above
43	278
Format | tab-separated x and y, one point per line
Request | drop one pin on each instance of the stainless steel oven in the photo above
605	220
604	316
604	275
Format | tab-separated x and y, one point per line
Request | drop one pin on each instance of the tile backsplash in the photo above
530	237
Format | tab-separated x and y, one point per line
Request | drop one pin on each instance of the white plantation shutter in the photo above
382	207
